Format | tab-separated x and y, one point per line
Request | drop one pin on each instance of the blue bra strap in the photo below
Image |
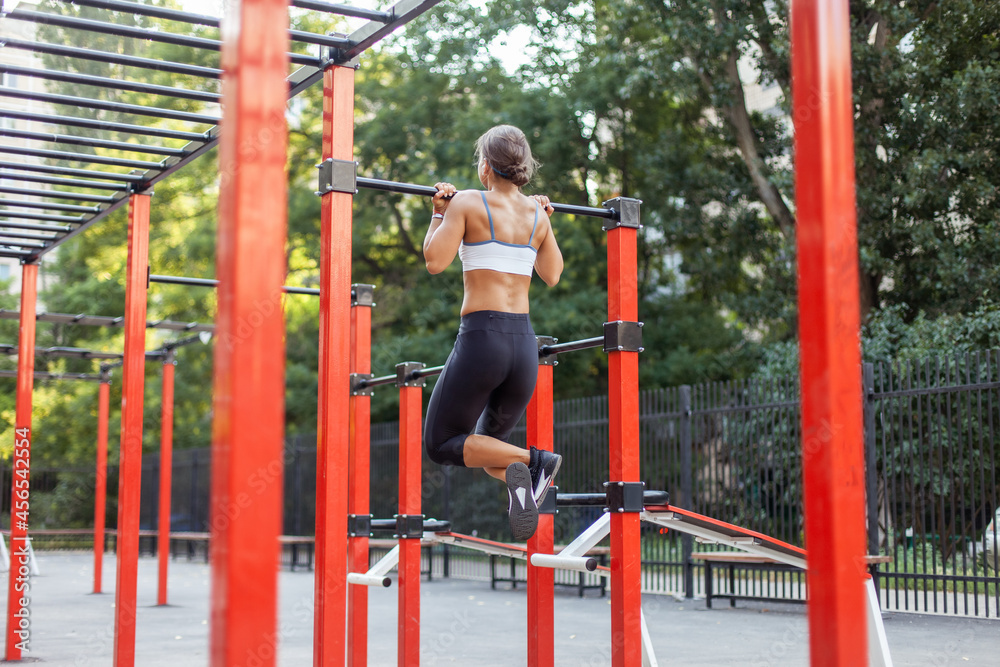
533	225
493	236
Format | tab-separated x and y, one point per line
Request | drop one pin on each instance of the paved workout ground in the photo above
464	623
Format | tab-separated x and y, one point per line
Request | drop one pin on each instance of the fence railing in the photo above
730	450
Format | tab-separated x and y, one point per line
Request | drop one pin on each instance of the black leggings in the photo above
485	385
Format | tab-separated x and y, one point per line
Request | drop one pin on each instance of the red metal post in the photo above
249	380
166	468
623	418
101	483
18	584
333	443
829	320
541	580
410	405
359	473
130	457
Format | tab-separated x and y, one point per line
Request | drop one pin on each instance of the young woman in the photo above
500	236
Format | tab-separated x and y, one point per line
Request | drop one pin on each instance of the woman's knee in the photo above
445	452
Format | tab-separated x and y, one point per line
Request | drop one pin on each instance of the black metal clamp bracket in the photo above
548	505
359	525
623	336
546	359
626	212
337	176
625	496
409	526
405	377
362	295
358	386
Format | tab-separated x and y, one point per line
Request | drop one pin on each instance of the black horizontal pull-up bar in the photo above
89	158
49	205
364	383
117	84
88	103
40	216
114	58
344	10
26	235
108	321
15	242
650	498
42	375
54	194
63	182
430	191
90	123
571	346
32	227
211	282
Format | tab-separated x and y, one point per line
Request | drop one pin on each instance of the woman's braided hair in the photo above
506	151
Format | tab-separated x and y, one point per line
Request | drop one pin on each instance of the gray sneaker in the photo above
522	510
543	467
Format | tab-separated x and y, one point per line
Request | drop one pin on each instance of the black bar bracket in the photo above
548	505
620	336
362	295
625	496
359	525
358	386
546	359
409	526
404	374
626	212
337	176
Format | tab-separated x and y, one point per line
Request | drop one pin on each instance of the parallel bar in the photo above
166	470
108	126
18	598
101	480
649	498
426	372
138	33
50	206
130	458
114	58
63	182
330	621
829	323
211	282
383	380
66	171
90	141
249	370
541	581
410	450
359	488
572	346
56	194
428	191
344	10
89	158
121	107
109	83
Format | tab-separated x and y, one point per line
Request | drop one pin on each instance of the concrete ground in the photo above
464	623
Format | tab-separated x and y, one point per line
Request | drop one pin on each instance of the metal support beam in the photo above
166	463
101	478
248	396
18	635
541	580
829	321
410	451
330	620
130	458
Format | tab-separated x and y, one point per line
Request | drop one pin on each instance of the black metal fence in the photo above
729	450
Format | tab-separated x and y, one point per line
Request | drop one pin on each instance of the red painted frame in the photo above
829	322
249	371
130	457
541	580
166	463
333	443
623	430
101	480
408	633
18	591
359	473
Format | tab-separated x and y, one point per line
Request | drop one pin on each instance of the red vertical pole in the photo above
166	468
410	405
541	580
130	458
18	609
248	393
623	417
333	443
829	321
101	483
359	472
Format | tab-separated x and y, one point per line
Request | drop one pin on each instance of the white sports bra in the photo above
493	255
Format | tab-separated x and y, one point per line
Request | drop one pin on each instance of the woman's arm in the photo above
445	234
549	261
